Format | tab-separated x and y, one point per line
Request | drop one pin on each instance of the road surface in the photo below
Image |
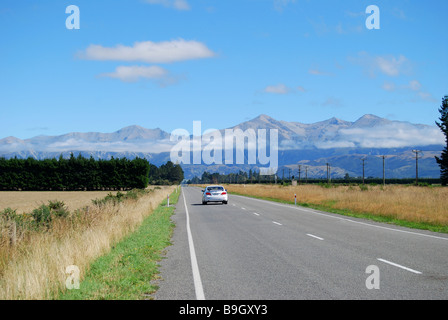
253	249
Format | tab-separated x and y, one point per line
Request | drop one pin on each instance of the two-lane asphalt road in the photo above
253	249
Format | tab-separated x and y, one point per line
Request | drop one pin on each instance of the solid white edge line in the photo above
313	236
400	266
194	262
344	219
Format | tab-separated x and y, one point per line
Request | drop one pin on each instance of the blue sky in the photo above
167	63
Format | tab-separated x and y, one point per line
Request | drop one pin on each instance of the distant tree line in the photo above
255	177
166	174
240	177
80	173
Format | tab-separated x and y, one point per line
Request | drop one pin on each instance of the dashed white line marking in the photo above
257	214
243	208
277	223
313	236
400	266
344	219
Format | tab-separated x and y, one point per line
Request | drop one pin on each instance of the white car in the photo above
214	194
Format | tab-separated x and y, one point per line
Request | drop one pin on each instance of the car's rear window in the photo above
215	188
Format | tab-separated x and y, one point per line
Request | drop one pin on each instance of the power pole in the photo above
306	174
384	171
328	172
300	168
363	165
416	165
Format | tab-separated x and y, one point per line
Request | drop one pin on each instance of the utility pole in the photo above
384	171
363	165
416	165
328	172
306	174
300	168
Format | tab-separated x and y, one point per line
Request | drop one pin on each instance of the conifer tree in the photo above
443	125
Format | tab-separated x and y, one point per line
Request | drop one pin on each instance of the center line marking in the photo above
400	266
243	208
256	214
277	223
313	236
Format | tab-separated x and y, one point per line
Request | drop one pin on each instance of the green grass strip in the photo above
364	215
126	272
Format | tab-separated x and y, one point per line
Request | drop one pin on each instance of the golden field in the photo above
26	201
35	266
410	203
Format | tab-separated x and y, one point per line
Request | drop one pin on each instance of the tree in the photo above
443	125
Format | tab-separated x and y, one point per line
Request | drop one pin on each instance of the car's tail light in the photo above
223	193
208	194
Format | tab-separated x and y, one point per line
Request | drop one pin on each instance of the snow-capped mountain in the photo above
334	140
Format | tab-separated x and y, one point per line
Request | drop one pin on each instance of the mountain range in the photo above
339	142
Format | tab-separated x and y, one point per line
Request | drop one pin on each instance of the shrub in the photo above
363	187
58	208
42	216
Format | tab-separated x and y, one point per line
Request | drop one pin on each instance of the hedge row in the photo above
75	173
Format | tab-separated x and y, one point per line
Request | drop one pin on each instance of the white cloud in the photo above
389	86
175	4
390	135
393	135
150	52
279	5
317	72
426	96
399	13
390	66
136	73
357	14
332	102
277	89
114	146
414	85
282	89
387	64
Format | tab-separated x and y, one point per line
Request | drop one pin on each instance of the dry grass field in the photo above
427	205
35	266
26	201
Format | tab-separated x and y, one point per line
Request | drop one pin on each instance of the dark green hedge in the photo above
75	173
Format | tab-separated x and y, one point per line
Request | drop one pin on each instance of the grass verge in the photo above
125	273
